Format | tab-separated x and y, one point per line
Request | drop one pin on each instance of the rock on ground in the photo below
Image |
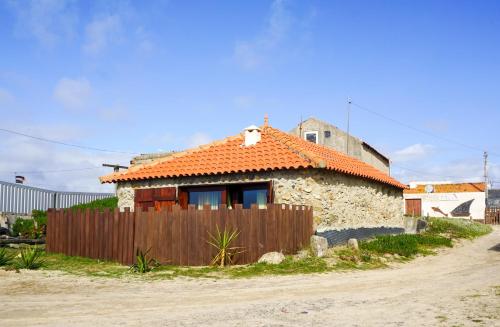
353	244
273	258
319	245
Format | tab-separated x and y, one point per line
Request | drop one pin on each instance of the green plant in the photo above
111	203
143	264
30	258
457	228
406	245
222	242
31	228
5	258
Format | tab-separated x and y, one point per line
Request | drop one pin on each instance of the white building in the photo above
446	199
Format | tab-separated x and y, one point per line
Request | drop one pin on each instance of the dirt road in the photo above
461	286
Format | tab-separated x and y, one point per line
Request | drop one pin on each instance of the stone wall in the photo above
339	201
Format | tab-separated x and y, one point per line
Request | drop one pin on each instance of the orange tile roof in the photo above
275	151
449	188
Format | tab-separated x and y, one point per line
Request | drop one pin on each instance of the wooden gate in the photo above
492	216
413	207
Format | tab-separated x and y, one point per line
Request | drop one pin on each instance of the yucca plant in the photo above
222	242
143	264
30	258
5	258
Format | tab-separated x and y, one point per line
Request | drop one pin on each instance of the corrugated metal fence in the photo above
22	199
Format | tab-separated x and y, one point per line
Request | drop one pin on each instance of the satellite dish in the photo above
429	188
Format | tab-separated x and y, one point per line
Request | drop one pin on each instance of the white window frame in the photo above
312	132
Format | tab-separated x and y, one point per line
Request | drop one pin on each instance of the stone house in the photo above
266	165
320	132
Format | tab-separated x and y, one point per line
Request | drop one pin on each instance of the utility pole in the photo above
348	124
485	156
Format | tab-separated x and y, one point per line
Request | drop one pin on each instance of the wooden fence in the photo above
177	236
492	216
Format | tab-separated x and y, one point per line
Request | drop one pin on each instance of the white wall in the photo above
449	201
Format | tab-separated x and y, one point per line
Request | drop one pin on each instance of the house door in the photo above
413	207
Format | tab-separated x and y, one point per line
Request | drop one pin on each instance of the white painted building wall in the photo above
449	201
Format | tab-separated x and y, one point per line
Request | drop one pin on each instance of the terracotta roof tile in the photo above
449	188
275	151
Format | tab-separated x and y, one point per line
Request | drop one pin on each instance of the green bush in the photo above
31	228
457	228
110	203
406	245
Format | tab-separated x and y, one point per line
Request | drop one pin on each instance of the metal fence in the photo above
22	199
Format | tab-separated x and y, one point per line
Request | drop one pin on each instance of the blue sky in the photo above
167	75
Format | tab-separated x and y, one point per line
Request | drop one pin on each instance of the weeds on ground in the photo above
457	228
288	267
405	245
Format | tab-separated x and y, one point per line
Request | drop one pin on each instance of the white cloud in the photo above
48	21
251	54
198	139
35	160
412	152
101	33
72	93
466	170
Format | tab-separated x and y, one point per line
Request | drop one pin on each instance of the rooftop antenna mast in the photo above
349	101
300	127
485	156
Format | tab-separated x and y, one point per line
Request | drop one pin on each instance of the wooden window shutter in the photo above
183	198
270	192
144	198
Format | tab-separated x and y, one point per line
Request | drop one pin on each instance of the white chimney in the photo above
252	135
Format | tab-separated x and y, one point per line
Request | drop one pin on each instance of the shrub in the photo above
405	245
5	258
143	264
30	228
30	258
457	228
222	242
110	203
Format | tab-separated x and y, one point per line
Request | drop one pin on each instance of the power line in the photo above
64	143
51	171
420	130
427	173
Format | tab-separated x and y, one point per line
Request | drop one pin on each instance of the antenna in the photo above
300	127
485	156
349	101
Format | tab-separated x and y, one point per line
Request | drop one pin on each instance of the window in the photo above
258	196
328	134
201	198
311	137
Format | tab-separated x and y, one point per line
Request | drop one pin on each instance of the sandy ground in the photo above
454	288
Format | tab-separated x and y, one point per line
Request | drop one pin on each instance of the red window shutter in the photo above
183	199
164	194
